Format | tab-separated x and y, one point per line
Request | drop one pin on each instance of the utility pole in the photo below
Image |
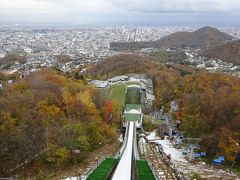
75	153
193	144
238	146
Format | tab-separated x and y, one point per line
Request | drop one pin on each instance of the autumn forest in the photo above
47	115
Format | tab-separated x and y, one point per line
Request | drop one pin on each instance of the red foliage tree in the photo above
108	111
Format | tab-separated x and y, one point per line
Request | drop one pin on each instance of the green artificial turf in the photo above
103	170
132	117
117	93
144	171
133	106
133	95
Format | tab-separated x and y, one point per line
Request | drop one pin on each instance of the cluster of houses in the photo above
211	65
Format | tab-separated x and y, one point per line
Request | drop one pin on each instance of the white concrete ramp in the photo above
124	168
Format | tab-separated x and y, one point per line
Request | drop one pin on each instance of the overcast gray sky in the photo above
168	12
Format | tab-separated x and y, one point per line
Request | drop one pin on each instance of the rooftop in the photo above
99	84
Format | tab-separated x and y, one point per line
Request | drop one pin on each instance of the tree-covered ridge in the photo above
11	58
118	65
209	108
48	116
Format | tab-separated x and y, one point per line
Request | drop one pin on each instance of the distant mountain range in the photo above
229	52
203	38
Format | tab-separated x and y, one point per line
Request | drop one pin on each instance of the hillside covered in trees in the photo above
209	102
118	65
229	52
167	56
209	109
10	59
48	116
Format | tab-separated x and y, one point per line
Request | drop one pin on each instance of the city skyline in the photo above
152	12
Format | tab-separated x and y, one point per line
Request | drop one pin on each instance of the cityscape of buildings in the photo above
83	44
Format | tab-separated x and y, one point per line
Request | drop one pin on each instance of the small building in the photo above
149	83
133	112
10	81
149	93
174	106
201	66
149	98
83	70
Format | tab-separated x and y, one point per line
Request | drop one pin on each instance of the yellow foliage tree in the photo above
228	144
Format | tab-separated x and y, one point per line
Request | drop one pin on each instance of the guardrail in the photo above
89	171
179	175
122	149
153	170
135	147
